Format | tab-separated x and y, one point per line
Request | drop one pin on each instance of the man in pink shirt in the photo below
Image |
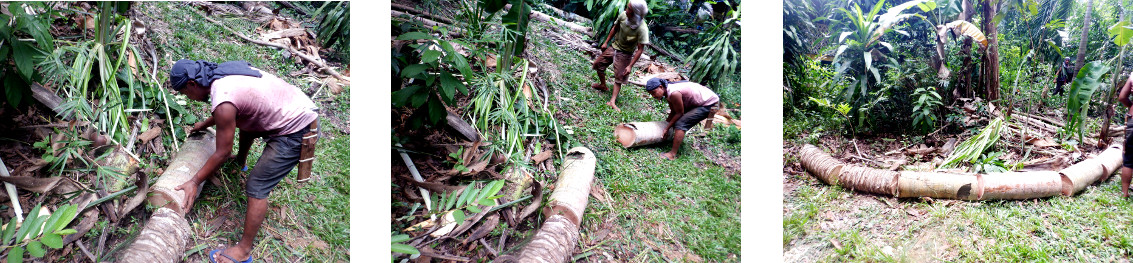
689	103
262	106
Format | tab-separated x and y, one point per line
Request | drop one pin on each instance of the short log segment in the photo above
820	164
938	185
164	239
1024	185
635	134
1012	185
182	168
558	237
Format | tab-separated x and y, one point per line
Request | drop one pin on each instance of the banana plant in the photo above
861	49
1081	90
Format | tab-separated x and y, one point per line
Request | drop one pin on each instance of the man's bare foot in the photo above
235	252
669	155
599	86
611	103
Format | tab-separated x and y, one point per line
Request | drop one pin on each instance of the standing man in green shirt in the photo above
630	34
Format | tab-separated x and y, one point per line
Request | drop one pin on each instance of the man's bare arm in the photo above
610	35
225	118
676	109
636	55
1123	97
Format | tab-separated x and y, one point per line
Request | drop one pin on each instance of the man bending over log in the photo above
630	34
1127	155
689	103
262	106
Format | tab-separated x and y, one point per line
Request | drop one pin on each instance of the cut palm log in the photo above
938	185
1022	185
462	127
1011	185
182	168
116	158
47	97
558	237
539	16
1085	173
166	235
635	134
164	239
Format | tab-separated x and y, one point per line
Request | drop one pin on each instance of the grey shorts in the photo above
693	116
281	154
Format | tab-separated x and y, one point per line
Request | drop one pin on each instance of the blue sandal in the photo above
213	253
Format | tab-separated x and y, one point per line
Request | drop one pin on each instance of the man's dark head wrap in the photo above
204	72
653	83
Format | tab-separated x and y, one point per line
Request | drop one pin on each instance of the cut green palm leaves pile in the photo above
971	149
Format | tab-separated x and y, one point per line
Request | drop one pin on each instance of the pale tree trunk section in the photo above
557	238
184	166
635	134
164	239
166	234
1006	186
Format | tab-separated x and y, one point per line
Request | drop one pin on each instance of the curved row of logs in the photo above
1010	185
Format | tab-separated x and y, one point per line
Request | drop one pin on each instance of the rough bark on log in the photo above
193	154
558	237
47	97
462	127
635	134
938	185
869	180
820	164
164	239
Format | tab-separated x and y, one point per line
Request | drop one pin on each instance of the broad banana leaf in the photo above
1120	33
1081	90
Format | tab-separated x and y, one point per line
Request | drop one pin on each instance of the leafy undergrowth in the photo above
683	210
828	223
305	223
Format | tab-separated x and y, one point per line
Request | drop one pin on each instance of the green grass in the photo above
687	206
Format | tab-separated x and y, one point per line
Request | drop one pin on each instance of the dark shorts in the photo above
616	57
693	116
281	154
1127	156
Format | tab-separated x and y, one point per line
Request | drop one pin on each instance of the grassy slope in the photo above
1090	226
310	223
658	207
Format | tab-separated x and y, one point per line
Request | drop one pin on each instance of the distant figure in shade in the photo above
630	34
1127	155
689	103
1064	77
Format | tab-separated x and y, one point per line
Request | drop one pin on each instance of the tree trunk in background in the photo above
991	58
1084	42
966	52
1102	138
